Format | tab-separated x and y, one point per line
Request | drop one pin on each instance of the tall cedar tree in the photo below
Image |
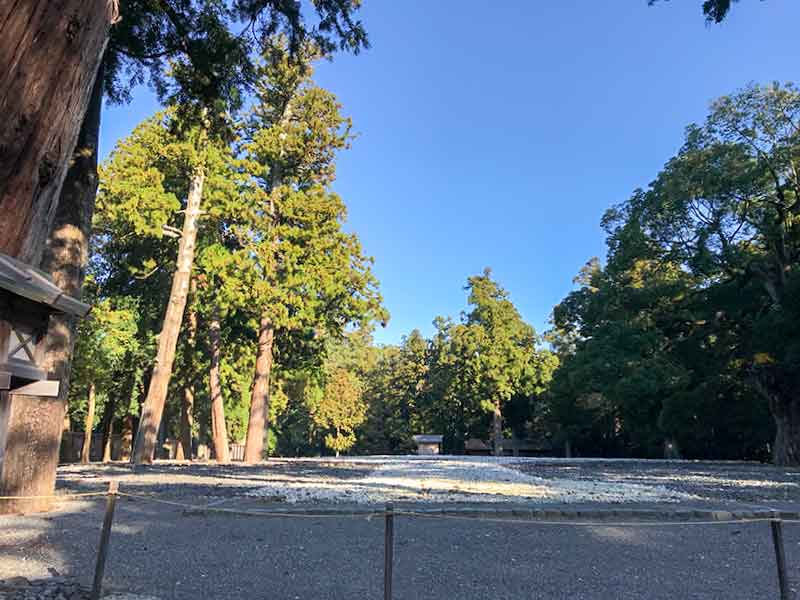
294	265
197	42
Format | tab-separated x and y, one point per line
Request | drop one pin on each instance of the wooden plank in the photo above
45	388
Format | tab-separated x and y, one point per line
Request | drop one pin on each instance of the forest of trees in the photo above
681	342
231	304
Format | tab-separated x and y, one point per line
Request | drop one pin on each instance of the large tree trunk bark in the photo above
497	428
219	434
184	450
28	424
50	51
126	447
259	402
145	444
108	440
88	426
784	405
787	433
65	257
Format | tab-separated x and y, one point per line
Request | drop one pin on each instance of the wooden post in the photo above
102	551
388	556
780	557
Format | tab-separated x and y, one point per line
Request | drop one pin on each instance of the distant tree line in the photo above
682	342
688	337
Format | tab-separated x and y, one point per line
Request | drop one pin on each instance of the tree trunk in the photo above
786	451
184	450
497	427
259	403
65	258
108	441
50	51
88	426
127	438
219	434
153	408
29	450
108	427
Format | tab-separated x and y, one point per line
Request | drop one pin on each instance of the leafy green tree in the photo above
676	336
726	209
105	340
395	389
338	409
294	265
149	183
504	348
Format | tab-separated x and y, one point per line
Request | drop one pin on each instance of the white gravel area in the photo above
456	479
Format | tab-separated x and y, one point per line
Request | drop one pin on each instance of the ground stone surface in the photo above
167	552
55	588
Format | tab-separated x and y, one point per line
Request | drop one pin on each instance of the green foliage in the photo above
338	409
677	337
106	340
450	384
197	54
714	10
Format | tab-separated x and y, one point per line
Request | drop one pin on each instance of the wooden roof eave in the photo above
31	283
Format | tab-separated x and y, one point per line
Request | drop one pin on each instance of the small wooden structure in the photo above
428	444
31	414
28	297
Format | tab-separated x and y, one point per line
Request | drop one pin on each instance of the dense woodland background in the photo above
680	342
232	304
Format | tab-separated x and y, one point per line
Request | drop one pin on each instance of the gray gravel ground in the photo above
739	484
162	551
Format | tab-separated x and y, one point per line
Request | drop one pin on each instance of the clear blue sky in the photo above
496	133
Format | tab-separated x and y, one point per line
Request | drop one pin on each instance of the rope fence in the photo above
532	517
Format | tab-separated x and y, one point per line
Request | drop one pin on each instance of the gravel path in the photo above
459	480
164	552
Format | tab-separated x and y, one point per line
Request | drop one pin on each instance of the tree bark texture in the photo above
108	441
126	446
184	449
259	402
65	258
108	427
219	434
27	424
50	51
497	428
153	409
787	432
88	425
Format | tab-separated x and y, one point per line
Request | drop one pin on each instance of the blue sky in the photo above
497	133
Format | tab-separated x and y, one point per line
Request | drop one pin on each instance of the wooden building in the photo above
31	412
428	444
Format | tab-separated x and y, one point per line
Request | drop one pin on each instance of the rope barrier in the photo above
439	514
591	523
252	513
444	515
56	496
774	517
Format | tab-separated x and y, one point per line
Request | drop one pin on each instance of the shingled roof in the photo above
31	283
